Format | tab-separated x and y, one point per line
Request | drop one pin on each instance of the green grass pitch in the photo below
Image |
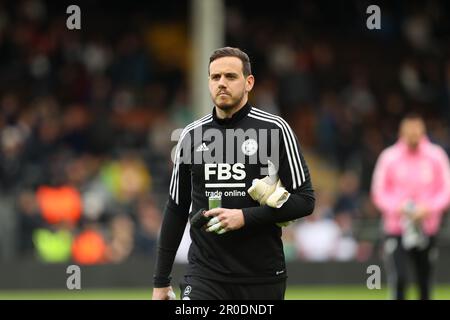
327	292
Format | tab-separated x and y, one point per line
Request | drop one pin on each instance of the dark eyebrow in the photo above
228	74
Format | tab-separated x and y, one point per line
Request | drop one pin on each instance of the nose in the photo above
222	82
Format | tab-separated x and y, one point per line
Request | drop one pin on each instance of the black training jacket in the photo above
224	156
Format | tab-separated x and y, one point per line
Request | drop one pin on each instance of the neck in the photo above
228	113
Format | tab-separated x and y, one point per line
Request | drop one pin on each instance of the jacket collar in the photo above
424	141
235	118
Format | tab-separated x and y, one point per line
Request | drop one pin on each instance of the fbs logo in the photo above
225	171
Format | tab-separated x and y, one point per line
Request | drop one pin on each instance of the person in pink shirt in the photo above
411	188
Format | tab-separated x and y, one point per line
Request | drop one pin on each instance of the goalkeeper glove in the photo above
262	189
278	197
270	191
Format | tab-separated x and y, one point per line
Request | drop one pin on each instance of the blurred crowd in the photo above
86	116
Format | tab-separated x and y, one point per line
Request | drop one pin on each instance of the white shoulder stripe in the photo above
174	183
295	179
290	143
182	135
174	187
291	135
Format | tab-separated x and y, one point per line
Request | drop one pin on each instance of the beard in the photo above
229	103
413	145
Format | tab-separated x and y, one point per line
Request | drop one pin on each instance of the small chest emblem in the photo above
249	147
187	290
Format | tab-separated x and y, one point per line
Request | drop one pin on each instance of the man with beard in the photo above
239	253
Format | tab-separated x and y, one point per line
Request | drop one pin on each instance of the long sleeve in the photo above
439	200
382	192
176	214
294	175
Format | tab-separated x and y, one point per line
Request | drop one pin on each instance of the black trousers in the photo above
195	288
397	260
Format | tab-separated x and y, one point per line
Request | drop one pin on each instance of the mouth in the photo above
222	94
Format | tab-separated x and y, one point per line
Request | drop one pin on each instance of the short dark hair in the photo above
413	115
233	52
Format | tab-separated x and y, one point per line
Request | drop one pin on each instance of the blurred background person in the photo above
411	188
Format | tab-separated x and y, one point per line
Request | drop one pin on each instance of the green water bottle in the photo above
215	201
